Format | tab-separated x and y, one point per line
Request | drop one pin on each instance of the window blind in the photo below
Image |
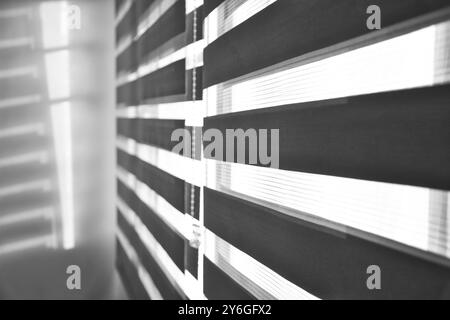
158	91
312	77
363	132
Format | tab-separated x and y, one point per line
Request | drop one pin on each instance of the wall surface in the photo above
40	273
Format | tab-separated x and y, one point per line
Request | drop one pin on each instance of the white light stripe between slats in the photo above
173	218
190	111
194	55
230	14
409	215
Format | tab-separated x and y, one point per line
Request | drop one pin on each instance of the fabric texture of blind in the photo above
356	119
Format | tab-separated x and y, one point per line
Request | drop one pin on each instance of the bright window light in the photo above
58	74
62	133
54	24
156	11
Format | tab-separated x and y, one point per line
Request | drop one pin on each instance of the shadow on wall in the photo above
57	149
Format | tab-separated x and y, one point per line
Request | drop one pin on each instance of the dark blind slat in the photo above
168	81
219	286
172	23
158	132
155	132
118	5
398	137
127	61
128	93
172	242
210	5
127	26
143	5
191	259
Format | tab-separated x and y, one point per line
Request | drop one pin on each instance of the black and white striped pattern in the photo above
159	90
363	178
